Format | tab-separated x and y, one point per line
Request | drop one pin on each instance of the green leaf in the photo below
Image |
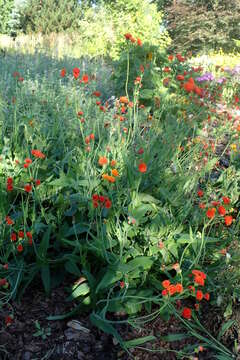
174	337
72	268
64	316
136	342
146	94
76	229
225	327
108	279
106	327
43	247
45	275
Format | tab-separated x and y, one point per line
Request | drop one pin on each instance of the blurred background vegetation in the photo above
96	28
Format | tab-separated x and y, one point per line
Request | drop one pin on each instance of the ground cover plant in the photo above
129	191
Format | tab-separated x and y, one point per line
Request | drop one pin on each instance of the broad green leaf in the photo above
82	290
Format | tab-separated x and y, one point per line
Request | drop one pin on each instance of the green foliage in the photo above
49	16
200	26
103	28
6	7
113	195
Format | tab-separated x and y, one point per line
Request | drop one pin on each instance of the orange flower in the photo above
166	284
102	160
199	280
211	213
113	163
171	289
228	220
179	288
109	178
123	100
142	167
115	172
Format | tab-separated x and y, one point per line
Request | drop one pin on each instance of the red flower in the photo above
128	36
164	292
95	204
122	284
221	210
187	313
85	78
9	221
37	182
28	188
139	42
9	187
142	167
29	235
211	213
38	154
207	296
170	57
95	197
108	204
76	72
166	69
202	206
63	72
16	74
228	220
20	248
3	282
226	200
10	181
200	193
180	77
8	320
199	295
21	234
28	161
97	93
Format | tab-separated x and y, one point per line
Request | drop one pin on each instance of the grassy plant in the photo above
137	200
